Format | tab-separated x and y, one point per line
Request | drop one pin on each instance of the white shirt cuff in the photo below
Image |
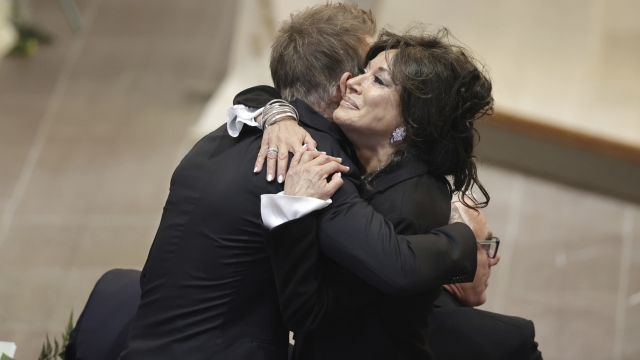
238	115
278	208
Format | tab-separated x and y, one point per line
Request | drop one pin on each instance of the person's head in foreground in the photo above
474	293
315	47
419	95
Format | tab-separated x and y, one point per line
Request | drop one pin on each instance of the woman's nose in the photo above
353	84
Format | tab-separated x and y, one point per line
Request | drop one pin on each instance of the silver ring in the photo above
272	151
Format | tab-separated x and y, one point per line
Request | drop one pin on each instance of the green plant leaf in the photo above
57	350
65	337
56	347
43	354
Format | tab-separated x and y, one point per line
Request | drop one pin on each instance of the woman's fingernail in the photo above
269	177
339	159
348	168
323	152
255	169
304	146
339	174
280	179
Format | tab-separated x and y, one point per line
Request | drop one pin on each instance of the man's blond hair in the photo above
315	47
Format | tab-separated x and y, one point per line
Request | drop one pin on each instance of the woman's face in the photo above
370	109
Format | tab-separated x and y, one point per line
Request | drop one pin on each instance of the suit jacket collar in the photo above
314	119
311	118
446	300
408	168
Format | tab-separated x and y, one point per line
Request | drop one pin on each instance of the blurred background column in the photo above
8	35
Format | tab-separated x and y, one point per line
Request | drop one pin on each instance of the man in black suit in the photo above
458	331
207	286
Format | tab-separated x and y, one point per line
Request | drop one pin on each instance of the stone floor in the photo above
570	261
92	127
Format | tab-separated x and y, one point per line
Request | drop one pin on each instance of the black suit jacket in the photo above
207	287
460	333
342	317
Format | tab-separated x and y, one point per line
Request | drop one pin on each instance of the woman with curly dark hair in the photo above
435	92
410	116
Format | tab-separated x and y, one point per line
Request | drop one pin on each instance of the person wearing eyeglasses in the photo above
472	294
459	331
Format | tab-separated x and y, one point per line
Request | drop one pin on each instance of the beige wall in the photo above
569	63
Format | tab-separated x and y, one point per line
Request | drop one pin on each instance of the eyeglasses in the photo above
490	246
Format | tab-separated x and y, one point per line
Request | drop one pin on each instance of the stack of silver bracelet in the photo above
277	110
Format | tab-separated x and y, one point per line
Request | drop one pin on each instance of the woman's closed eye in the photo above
379	80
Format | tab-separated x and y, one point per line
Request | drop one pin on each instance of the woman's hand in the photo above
286	136
309	176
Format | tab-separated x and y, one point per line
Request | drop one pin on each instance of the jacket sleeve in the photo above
306	297
364	242
295	258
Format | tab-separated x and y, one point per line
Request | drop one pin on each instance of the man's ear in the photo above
336	97
343	83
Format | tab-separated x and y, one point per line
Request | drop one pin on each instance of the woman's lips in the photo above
350	103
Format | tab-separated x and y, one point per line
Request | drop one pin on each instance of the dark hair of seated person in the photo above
443	92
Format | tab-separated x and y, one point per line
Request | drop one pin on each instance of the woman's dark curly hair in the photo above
443	92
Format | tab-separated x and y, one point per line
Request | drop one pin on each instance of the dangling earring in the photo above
398	134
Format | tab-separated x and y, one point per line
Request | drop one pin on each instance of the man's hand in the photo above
308	177
455	215
472	217
286	136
